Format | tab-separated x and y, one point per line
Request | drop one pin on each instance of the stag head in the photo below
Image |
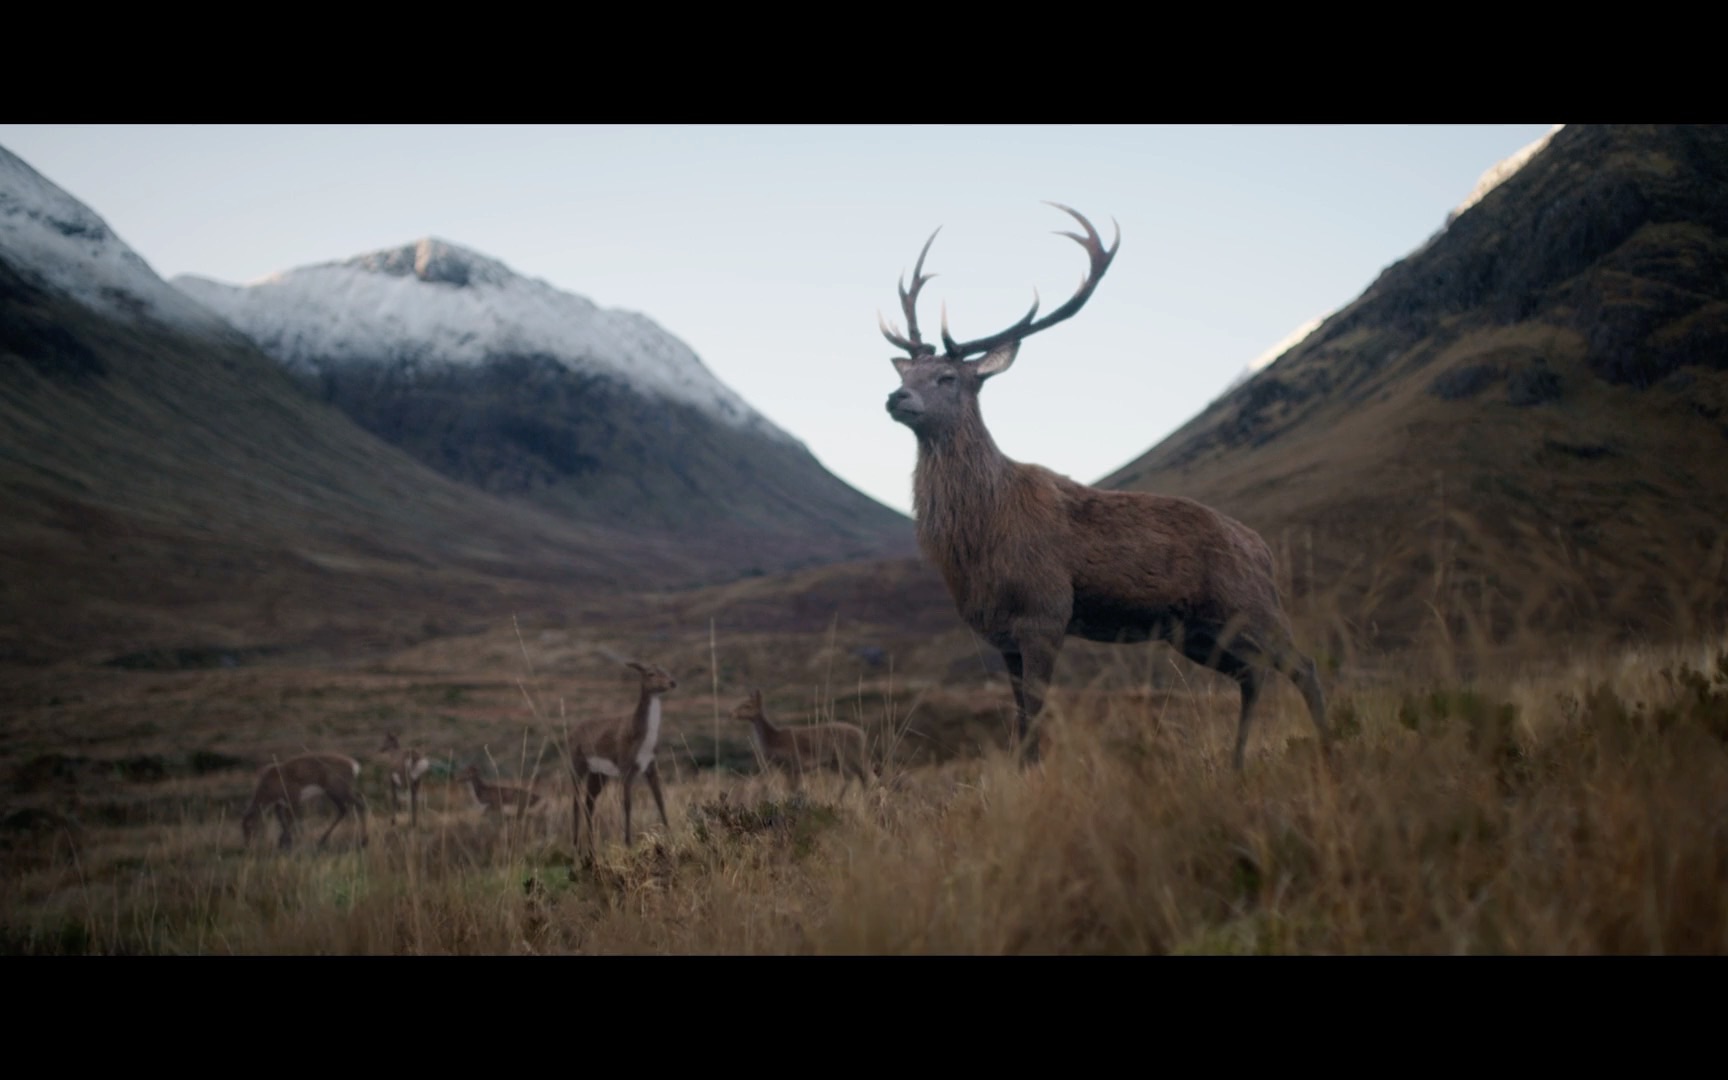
936	389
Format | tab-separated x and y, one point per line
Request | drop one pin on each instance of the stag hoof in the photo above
1030	753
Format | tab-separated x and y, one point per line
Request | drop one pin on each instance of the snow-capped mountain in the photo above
515	387
435	303
1490	179
57	241
168	483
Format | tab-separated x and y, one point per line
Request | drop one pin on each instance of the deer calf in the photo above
492	797
403	767
839	746
285	785
620	747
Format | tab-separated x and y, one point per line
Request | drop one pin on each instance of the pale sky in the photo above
770	249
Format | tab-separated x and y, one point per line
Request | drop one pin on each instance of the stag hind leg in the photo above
629	789
582	806
1250	663
285	819
1302	672
343	808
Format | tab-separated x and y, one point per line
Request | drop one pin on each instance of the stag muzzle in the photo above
904	405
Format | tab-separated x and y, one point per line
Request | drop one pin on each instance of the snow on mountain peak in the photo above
48	235
1499	171
435	261
434	301
1493	177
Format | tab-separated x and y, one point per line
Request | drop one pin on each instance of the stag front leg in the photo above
1031	666
653	775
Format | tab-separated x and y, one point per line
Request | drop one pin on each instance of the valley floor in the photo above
1576	811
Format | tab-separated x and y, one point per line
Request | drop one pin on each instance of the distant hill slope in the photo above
1520	426
538	395
166	485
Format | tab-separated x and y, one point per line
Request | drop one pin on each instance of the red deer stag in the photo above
1031	557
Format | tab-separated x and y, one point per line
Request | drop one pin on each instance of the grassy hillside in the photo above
1512	435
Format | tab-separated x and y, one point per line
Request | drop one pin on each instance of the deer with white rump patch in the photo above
285	786
490	797
621	748
403	767
1031	557
839	746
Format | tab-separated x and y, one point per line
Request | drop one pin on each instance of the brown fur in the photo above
498	796
1032	558
619	740
794	750
404	767
281	785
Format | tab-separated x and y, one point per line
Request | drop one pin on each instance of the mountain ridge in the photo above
1506	430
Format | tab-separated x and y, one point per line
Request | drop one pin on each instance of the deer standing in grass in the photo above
492	797
620	747
404	768
839	746
285	786
1031	557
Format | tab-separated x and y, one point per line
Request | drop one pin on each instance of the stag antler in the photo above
909	305
1099	262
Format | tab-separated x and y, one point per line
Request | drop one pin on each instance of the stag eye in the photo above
944	380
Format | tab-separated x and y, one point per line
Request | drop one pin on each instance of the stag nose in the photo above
897	397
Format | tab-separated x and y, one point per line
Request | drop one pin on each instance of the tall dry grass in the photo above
1570	811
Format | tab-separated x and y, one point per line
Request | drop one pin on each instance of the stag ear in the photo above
997	360
903	364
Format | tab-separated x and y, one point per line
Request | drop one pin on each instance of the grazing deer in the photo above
404	767
1030	557
285	785
839	746
621	747
492	797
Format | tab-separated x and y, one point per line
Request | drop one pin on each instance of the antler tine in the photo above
1099	261
894	335
913	343
1018	328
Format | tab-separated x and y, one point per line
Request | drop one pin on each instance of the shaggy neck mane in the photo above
961	479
